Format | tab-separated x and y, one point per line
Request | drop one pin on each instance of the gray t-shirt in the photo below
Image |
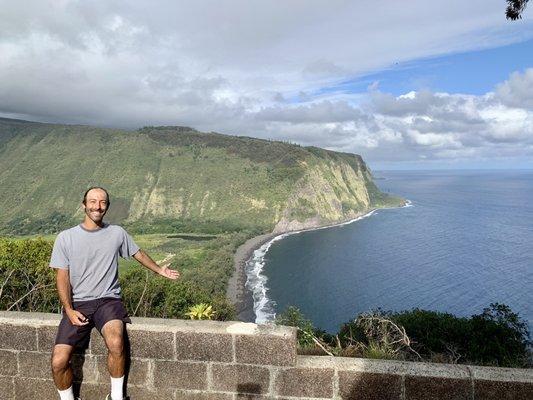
92	259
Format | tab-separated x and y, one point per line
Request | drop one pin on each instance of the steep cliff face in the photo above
333	189
174	173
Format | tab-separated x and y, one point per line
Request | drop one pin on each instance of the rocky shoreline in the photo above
236	292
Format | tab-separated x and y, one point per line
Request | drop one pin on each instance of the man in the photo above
86	261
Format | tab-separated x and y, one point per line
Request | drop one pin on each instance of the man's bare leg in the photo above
113	332
61	369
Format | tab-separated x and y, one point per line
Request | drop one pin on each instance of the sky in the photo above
408	85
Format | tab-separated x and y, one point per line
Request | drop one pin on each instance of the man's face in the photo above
96	205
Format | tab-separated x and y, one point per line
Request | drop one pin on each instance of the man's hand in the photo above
147	261
169	273
76	318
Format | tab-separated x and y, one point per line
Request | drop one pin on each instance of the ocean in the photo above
464	241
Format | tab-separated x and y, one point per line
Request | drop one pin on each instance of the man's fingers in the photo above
78	322
80	316
170	273
174	274
79	319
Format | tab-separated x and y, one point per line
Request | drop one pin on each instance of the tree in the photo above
515	8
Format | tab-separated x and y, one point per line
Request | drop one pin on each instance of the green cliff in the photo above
160	175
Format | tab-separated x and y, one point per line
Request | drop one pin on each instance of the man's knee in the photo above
115	344
114	337
61	358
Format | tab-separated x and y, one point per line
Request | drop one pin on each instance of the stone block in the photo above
204	346
185	395
265	350
84	368
18	337
35	365
304	382
137	372
143	393
369	386
240	378
97	344
8	363
89	391
180	375
7	388
46	337
27	388
494	390
429	388
139	344
151	344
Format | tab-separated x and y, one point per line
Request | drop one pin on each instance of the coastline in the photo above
237	293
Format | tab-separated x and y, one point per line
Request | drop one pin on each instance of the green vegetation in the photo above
173	180
28	284
496	337
201	311
293	317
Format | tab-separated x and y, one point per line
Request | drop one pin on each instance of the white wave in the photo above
408	203
264	308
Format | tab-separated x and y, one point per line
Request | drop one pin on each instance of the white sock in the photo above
66	394
117	385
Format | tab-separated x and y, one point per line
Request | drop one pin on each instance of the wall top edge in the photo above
160	325
410	368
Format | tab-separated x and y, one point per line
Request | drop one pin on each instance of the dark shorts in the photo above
98	312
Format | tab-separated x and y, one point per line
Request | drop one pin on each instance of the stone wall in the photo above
208	360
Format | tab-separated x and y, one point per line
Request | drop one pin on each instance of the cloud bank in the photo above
258	68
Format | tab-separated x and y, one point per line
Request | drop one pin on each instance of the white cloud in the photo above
517	91
257	68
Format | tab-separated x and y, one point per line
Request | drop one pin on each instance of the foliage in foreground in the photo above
496	337
28	284
201	311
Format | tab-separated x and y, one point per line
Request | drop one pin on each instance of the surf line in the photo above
256	282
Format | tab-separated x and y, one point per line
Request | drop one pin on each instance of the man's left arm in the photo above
147	261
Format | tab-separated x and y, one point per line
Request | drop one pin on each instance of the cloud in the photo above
256	68
411	103
417	125
320	112
517	91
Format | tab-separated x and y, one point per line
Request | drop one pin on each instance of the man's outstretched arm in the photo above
147	261
63	290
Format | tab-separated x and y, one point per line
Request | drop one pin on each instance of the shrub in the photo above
28	283
201	311
292	316
497	336
435	334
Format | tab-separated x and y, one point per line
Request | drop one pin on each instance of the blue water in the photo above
467	241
